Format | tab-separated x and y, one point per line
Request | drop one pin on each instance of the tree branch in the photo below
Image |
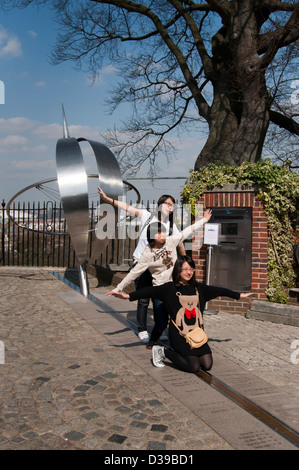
271	42
206	60
222	7
284	122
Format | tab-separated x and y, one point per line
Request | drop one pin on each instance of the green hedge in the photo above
279	192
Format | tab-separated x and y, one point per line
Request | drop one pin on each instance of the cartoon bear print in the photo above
167	260
189	315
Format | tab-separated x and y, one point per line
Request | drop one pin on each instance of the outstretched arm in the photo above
157	292
212	292
193	227
243	295
120	204
119	295
138	269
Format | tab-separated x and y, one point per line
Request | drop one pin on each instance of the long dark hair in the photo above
178	268
152	230
161	201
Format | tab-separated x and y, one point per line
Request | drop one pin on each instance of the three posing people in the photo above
171	283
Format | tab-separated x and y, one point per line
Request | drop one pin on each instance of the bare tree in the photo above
182	63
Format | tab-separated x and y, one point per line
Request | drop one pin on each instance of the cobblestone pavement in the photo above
65	386
268	350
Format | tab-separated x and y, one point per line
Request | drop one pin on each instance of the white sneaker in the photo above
144	336
158	356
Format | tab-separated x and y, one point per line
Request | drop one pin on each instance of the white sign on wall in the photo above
211	234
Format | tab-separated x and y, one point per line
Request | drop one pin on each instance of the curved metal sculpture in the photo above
73	188
110	181
72	182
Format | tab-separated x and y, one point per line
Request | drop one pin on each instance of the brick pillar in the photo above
228	197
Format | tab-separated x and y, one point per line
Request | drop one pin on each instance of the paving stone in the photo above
159	428
82	388
117	438
139	424
91	415
74	435
90	382
123	409
138	415
155	445
154	403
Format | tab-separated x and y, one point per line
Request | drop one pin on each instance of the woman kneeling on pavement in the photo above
184	299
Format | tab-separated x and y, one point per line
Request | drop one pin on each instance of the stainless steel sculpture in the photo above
72	182
72	190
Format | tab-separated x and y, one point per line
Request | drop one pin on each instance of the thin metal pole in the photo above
83	280
210	248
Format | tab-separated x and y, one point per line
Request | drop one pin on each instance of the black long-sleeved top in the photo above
182	304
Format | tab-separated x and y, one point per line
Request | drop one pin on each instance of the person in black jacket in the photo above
184	299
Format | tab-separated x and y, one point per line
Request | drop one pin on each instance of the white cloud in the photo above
102	75
55	131
84	131
33	164
16	125
32	33
41	84
10	46
48	131
12	141
22	125
18	144
39	149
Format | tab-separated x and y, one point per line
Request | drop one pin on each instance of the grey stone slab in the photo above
274	312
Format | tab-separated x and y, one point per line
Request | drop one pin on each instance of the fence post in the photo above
3	232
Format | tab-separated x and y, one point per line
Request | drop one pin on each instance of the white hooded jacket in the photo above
160	261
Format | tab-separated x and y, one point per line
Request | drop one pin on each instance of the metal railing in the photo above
39	236
30	241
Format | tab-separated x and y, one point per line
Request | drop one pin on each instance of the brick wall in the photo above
259	274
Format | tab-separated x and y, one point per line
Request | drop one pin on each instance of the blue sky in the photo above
31	117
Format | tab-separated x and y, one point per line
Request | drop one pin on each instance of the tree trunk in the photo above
232	139
239	115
